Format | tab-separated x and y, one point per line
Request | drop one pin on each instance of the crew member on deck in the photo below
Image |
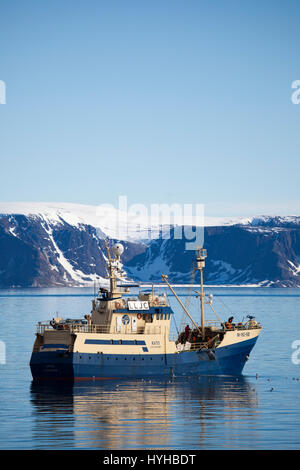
187	331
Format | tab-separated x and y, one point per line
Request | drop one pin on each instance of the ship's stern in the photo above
52	356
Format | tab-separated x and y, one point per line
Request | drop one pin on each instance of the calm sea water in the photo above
259	411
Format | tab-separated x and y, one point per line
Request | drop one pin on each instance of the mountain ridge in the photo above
62	244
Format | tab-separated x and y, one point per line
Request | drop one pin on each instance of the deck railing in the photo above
148	329
224	327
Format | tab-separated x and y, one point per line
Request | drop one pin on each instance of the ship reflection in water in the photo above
204	413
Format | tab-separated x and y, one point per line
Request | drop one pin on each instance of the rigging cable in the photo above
189	292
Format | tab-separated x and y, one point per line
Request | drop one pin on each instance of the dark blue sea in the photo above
261	410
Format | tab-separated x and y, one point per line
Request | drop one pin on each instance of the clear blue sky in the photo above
163	101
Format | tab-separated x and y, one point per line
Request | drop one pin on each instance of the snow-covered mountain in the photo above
53	244
237	255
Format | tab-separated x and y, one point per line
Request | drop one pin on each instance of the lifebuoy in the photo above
139	316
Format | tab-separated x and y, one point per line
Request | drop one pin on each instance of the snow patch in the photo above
294	268
75	274
12	231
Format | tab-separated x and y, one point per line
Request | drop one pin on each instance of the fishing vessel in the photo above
127	337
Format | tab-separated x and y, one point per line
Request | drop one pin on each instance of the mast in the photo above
201	254
112	269
200	257
111	275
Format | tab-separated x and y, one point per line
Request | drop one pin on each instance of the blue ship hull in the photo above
56	365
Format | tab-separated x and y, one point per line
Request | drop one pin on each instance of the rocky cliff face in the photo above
238	255
38	250
35	252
